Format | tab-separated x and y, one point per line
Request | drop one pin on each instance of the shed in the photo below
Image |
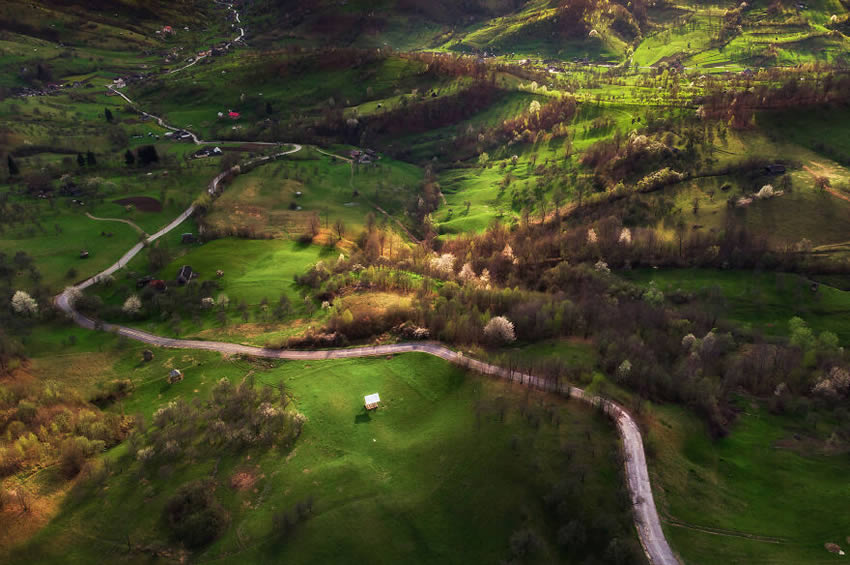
84	254
175	376
371	401
185	274
187	237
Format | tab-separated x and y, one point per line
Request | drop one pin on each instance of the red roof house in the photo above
233	115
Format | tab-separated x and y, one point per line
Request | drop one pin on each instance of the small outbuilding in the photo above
185	274
175	376
84	254
187	238
147	355
371	401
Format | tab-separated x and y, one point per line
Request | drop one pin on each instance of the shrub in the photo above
194	515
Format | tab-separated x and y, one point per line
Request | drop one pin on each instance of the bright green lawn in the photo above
747	484
765	301
423	478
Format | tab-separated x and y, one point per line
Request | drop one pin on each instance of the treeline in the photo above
738	107
42	423
548	282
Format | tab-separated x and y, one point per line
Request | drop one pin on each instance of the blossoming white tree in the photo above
24	304
132	305
444	264
500	330
467	273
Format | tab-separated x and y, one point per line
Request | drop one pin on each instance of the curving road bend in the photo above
647	522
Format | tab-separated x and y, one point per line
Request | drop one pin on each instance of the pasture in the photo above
396	476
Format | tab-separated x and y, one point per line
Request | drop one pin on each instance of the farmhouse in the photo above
371	401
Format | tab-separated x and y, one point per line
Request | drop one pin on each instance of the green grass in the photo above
420	478
761	300
758	481
262	199
253	269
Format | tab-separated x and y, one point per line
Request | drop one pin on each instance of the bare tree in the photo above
339	228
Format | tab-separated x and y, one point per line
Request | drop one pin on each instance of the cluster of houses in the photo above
178	135
203	153
184	276
364	156
46	90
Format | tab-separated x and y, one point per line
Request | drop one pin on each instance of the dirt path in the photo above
723	532
128	222
824	173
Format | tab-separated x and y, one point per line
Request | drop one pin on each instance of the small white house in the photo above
371	401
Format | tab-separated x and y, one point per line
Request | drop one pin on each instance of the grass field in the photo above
767	493
264	201
430	471
761	300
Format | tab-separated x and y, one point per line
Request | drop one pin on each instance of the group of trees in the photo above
541	282
43	422
235	417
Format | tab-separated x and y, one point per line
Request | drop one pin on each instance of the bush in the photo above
194	515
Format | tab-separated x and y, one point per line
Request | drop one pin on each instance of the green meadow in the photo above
447	470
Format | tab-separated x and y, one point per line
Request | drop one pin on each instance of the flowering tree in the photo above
592	238
500	330
467	274
24	304
132	305
444	264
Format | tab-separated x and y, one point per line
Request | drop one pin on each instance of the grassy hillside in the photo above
395	476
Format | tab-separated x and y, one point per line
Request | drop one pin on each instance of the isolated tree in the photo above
132	305
81	161
500	331
339	228
91	161
129	158
108	114
24	304
13	166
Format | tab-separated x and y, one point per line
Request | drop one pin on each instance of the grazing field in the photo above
763	301
396	476
770	492
281	199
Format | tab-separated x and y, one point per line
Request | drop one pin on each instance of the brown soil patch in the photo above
142	203
243	480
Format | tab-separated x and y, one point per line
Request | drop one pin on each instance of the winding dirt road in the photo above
647	522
